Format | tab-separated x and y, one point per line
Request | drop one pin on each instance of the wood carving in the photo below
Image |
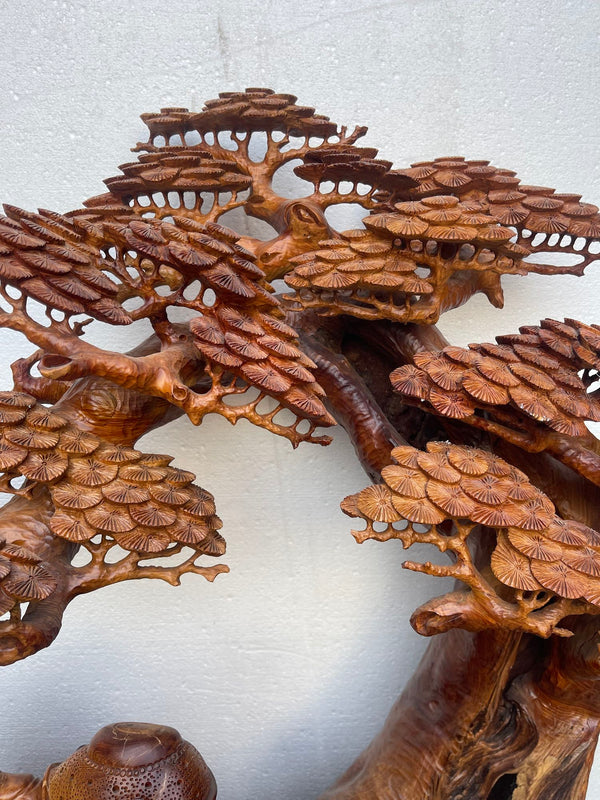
483	451
129	760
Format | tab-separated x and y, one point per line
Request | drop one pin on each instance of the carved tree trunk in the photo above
492	715
487	716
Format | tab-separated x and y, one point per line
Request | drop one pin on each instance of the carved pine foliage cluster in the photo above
103	495
256	109
533	374
535	389
157	265
563	222
50	258
410	264
536	550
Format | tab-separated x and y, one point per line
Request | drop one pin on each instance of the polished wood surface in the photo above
483	452
128	760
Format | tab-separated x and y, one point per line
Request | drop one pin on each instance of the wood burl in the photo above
128	760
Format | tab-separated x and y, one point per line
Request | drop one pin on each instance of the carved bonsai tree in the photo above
482	452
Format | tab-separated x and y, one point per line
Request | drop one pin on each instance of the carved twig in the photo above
100	572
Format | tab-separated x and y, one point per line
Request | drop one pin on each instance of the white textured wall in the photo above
283	670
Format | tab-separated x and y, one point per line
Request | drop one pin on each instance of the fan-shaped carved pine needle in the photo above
43	467
451	404
32	439
512	568
467	461
78	442
445	375
90	471
71	528
436	465
410	381
152	516
559	578
534	545
125	493
487	489
376	503
12	415
76	497
585	559
111	520
190	531
142	473
148	540
404	481
119	454
451	499
420	511
11	456
30	583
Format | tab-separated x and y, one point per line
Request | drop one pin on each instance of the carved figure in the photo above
128	760
481	451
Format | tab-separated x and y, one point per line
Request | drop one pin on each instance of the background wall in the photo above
282	671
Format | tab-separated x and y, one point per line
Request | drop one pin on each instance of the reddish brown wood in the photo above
129	760
480	451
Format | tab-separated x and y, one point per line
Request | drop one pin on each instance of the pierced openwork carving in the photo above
439	495
483	451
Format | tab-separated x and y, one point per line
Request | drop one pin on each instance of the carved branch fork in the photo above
481	451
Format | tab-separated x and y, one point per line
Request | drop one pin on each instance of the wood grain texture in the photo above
482	452
127	760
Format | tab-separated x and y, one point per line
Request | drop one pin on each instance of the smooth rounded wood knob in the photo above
133	744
